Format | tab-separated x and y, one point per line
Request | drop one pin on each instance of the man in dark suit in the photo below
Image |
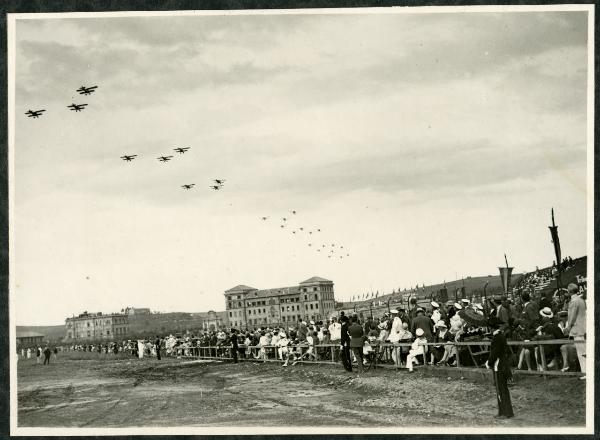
529	316
345	341
234	345
423	322
357	341
157	344
498	362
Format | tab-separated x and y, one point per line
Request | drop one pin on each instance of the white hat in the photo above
394	311
546	312
419	332
478	306
441	323
466	301
312	322
434	304
457	306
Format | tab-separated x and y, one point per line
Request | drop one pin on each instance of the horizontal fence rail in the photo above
331	353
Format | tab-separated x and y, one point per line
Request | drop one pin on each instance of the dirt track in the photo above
126	392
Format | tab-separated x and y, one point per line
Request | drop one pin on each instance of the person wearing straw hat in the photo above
498	361
417	348
441	335
576	324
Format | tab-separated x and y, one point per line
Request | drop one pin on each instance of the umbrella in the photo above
472	317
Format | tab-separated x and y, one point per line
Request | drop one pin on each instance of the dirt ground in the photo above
83	390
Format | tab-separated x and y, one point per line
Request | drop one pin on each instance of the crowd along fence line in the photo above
330	353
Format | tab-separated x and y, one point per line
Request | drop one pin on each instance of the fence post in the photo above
457	356
333	354
543	356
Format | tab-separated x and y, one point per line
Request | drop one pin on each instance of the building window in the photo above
283	309
316	297
230	315
311	306
88	324
314	289
317	306
305	296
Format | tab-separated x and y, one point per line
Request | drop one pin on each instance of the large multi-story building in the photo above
312	299
94	326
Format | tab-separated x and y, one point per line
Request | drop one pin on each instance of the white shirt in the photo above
335	330
396	329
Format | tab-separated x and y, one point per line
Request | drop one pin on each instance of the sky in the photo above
427	145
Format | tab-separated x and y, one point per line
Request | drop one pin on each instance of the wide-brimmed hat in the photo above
441	323
546	312
457	306
478	306
434	304
394	311
420	309
419	332
465	300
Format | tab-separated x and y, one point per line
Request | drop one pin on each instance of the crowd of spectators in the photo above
404	336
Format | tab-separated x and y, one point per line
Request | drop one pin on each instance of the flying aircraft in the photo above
188	186
264	218
34	113
83	90
302	229
318	230
164	158
215	187
129	158
309	244
181	150
282	226
77	107
220	181
284	219
293	212
293	232
310	232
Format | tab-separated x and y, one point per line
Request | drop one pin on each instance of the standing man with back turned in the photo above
345	341
499	363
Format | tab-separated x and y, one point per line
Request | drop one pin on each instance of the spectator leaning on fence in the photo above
576	324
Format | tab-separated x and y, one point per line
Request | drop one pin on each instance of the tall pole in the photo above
556	242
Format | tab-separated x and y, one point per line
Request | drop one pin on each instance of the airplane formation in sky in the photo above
83	90
217	184
312	235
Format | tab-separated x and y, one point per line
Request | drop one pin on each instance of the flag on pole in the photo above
555	240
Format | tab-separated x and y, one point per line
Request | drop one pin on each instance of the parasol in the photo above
472	317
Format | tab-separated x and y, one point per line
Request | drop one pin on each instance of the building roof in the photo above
28	334
316	280
240	288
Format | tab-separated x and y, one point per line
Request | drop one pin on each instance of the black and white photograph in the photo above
308	221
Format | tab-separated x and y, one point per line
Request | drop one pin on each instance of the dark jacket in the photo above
424	323
345	339
357	335
499	352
